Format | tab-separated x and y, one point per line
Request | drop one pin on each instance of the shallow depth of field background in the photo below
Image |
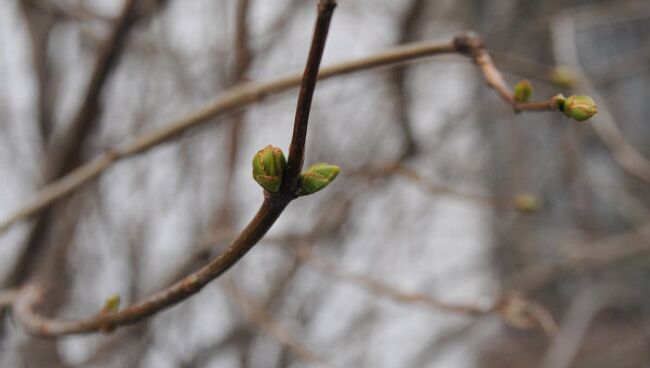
451	232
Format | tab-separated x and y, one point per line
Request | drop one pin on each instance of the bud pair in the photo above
268	170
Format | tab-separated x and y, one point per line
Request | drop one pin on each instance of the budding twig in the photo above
274	203
270	210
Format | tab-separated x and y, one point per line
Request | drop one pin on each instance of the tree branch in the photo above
471	45
249	93
271	209
30	296
232	100
512	308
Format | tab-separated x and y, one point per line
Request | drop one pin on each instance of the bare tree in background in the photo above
463	230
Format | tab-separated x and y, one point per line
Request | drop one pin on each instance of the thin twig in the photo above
616	249
297	147
471	45
512	308
398	169
379	288
262	319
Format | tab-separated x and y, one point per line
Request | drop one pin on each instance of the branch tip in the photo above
324	5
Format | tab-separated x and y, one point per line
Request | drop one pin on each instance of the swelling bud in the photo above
111	304
523	91
526	202
580	108
317	177
564	76
268	168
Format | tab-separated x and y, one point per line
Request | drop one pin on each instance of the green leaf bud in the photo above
523	91
268	168
317	177
112	303
564	76
526	202
580	108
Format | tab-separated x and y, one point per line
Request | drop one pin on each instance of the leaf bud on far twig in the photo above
268	168
111	304
526	202
317	177
563	76
523	91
